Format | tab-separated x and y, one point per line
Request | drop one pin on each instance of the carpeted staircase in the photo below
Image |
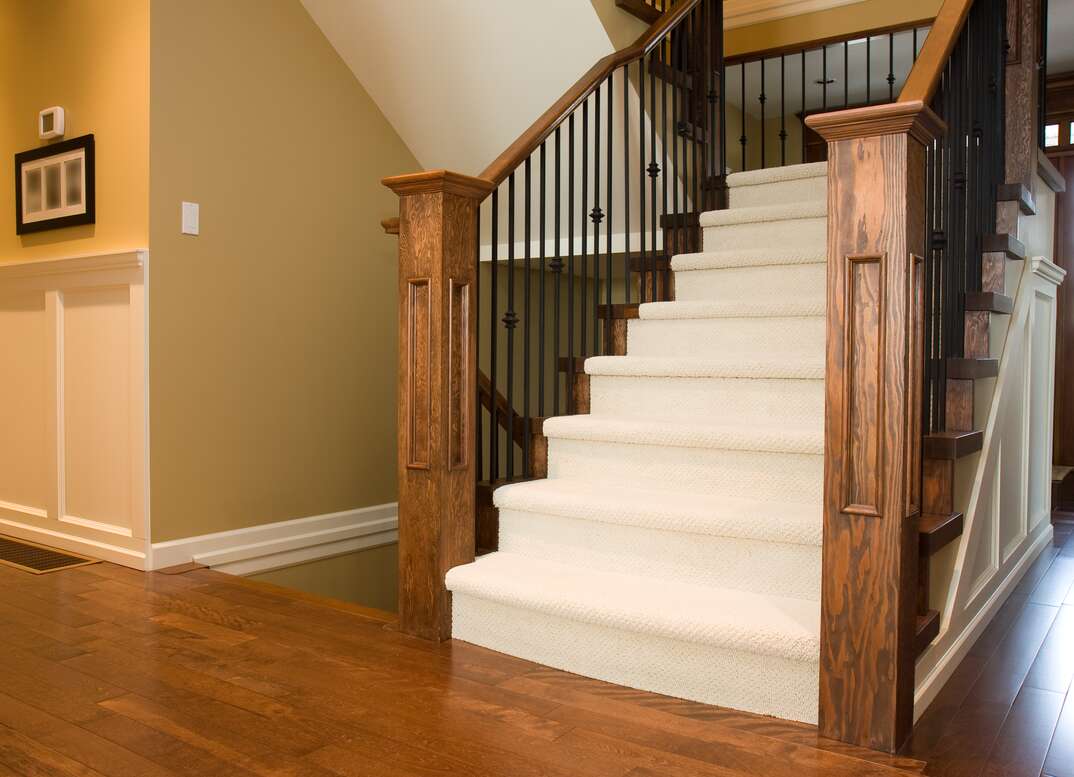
676	544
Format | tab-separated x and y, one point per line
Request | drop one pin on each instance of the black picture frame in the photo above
84	142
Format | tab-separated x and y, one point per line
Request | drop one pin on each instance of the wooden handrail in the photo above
924	78
530	140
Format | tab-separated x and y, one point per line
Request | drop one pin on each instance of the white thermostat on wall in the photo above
50	123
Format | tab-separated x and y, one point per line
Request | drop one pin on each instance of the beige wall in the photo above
90	57
843	20
273	334
367	577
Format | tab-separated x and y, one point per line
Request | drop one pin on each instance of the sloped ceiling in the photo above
460	81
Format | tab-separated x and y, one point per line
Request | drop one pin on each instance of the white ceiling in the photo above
1060	36
460	81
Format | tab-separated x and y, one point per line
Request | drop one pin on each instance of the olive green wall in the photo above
91	57
273	333
367	577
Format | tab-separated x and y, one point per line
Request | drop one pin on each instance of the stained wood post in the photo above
437	390
872	464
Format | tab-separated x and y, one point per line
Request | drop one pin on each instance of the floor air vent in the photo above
37	558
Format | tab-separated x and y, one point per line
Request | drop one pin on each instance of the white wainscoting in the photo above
73	404
1008	519
284	543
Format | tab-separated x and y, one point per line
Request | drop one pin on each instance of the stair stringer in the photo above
1007	513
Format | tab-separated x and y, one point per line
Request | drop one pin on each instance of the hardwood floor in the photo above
1007	710
108	671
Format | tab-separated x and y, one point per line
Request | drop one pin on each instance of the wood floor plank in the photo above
1060	760
1056	584
1053	669
1022	744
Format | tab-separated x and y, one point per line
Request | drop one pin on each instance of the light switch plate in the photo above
190	218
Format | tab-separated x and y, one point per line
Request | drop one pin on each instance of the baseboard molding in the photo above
957	650
133	556
285	543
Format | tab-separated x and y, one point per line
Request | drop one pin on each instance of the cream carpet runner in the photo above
675	546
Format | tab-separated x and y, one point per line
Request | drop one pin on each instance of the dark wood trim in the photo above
531	139
818	43
936	531
925	75
949	446
1020	193
639	9
989	301
622	311
1048	172
390	225
914	118
928	628
437	390
1004	243
972	369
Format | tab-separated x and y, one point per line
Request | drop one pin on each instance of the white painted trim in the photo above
85	545
742	13
1047	269
945	665
284	543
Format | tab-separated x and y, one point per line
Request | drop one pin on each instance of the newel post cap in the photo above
439	181
912	117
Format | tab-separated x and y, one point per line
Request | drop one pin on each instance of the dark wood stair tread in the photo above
928	628
952	445
648	262
972	369
936	531
1004	243
1018	192
619	311
639	9
571	364
989	301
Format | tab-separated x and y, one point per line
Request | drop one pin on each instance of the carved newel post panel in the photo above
872	467
437	389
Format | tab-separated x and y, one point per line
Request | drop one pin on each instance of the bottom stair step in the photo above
717	646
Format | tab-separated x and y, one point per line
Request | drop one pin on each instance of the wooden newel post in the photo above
437	389
872	466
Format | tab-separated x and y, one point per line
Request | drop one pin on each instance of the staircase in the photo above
676	544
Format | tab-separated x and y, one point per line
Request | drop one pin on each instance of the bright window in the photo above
1051	135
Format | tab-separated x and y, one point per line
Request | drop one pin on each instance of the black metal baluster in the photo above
571	399
846	74
656	169
824	77
510	321
679	126
542	293
891	67
782	110
584	344
742	94
557	269
763	98
803	114
527	333
494	328
642	247
611	201
626	179
597	216
868	69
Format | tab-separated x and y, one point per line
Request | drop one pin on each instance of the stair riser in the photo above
723	562
794	338
751	682
780	193
791	232
773	282
787	477
709	400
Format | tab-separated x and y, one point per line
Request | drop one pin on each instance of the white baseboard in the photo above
957	650
133	555
285	543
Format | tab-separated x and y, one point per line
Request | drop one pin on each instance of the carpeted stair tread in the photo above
771	175
760	257
732	620
782	439
756	366
758	214
798	307
721	516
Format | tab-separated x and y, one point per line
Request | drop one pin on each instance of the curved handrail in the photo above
530	140
924	78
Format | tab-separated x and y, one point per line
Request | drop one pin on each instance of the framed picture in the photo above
54	186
